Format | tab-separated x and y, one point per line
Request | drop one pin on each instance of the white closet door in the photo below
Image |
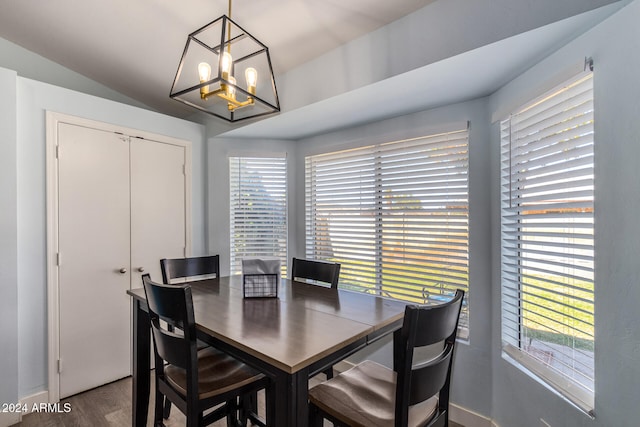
157	207
94	248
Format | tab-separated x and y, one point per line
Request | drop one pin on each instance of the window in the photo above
258	201
395	216
548	238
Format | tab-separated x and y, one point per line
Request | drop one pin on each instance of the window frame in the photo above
235	257
378	201
522	247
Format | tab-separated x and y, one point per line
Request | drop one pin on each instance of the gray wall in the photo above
472	379
33	66
8	243
518	399
440	30
23	301
484	381
33	99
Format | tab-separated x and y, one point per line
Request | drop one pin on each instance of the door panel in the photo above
94	244
157	207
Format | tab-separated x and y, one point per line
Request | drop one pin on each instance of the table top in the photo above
304	324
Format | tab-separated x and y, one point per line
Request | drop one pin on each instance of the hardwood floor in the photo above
110	406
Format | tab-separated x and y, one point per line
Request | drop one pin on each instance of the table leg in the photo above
291	411
141	364
301	397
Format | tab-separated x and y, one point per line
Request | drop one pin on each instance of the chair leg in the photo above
315	419
157	416
167	409
246	409
232	413
253	405
270	405
194	418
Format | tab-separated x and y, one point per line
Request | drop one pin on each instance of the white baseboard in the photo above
26	403
34	399
468	418
9	418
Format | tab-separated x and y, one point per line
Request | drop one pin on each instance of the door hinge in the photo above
58	259
184	251
184	170
57	151
59	366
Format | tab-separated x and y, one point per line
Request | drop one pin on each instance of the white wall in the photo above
219	151
33	99
519	400
472	376
440	30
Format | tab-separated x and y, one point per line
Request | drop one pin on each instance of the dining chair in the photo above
195	380
417	395
193	267
318	271
177	270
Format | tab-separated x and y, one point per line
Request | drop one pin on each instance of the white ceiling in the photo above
134	47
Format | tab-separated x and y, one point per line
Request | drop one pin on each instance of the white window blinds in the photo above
548	238
394	215
258	202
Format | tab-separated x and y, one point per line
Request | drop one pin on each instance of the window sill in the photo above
568	391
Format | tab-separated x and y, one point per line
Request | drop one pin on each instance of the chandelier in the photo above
226	72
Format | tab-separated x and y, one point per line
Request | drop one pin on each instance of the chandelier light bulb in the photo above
231	90
204	70
225	64
252	79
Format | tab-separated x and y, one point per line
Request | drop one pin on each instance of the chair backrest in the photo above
174	305
179	268
426	325
321	271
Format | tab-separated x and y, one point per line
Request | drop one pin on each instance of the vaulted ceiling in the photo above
133	47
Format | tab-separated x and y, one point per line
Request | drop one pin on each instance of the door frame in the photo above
53	119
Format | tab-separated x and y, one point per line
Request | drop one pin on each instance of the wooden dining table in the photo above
303	331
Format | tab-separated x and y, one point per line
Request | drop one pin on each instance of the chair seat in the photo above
364	396
217	373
